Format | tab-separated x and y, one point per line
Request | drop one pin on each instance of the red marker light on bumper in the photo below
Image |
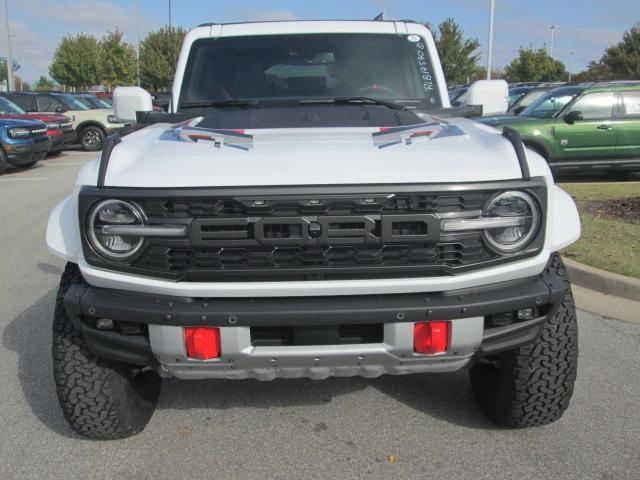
203	343
431	337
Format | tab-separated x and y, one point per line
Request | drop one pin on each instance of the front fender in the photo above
564	221
62	233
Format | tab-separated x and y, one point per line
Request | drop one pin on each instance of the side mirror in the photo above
519	109
573	117
129	100
60	110
491	95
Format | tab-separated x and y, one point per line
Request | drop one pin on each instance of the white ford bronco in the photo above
311	206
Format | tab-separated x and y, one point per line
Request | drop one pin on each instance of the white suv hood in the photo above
166	156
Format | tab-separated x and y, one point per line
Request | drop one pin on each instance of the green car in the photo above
582	127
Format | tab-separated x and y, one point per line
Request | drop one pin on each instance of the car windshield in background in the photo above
551	103
7	107
71	102
94	102
395	68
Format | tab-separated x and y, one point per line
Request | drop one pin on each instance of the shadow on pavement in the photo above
447	397
29	334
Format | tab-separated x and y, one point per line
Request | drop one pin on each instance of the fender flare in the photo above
62	231
539	147
564	222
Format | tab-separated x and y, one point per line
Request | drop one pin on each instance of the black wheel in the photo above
532	385
92	138
28	165
55	153
3	161
100	398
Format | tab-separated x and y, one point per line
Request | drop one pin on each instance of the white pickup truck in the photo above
311	206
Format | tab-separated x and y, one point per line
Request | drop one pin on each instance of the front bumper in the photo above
21	153
163	318
60	142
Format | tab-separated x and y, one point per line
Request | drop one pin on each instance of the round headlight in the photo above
521	221
114	212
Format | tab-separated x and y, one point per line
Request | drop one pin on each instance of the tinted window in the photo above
551	103
595	106
631	104
7	107
71	102
26	102
281	67
47	103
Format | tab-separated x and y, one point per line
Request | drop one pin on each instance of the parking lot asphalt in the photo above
417	426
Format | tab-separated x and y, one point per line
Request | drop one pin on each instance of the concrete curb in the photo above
603	281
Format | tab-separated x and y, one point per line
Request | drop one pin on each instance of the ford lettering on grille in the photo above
315	230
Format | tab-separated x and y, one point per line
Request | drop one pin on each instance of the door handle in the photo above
604	127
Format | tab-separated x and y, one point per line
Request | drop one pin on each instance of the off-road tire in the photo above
4	163
100	398
532	385
25	166
92	138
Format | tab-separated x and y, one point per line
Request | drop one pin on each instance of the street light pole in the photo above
570	65
169	13
553	31
10	80
135	4
492	8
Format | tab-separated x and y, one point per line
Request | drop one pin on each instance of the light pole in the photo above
169	13
570	64
492	10
553	31
10	80
135	4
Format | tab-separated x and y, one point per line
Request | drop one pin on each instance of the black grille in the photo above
318	233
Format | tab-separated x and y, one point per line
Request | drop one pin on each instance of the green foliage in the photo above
619	62
459	56
44	84
76	61
159	53
534	66
117	61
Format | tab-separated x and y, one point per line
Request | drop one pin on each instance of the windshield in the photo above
7	107
551	103
71	102
396	68
92	102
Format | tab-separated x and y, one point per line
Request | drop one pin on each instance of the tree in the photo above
117	61
76	61
44	84
159	53
534	66
459	56
619	62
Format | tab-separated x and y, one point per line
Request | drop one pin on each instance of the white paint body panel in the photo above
305	156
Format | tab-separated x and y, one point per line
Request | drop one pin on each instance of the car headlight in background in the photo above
115	213
509	222
112	119
19	132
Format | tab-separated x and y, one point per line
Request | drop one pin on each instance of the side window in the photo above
25	102
47	103
595	106
631	104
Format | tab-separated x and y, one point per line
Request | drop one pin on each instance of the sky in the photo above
585	27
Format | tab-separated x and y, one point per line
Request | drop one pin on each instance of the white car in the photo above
310	206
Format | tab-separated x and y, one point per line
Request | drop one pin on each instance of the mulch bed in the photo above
627	209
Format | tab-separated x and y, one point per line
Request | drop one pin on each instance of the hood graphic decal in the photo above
183	132
388	137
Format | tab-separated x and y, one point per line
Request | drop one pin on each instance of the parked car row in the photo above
66	119
594	126
575	127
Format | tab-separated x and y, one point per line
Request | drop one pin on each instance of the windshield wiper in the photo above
353	100
234	102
